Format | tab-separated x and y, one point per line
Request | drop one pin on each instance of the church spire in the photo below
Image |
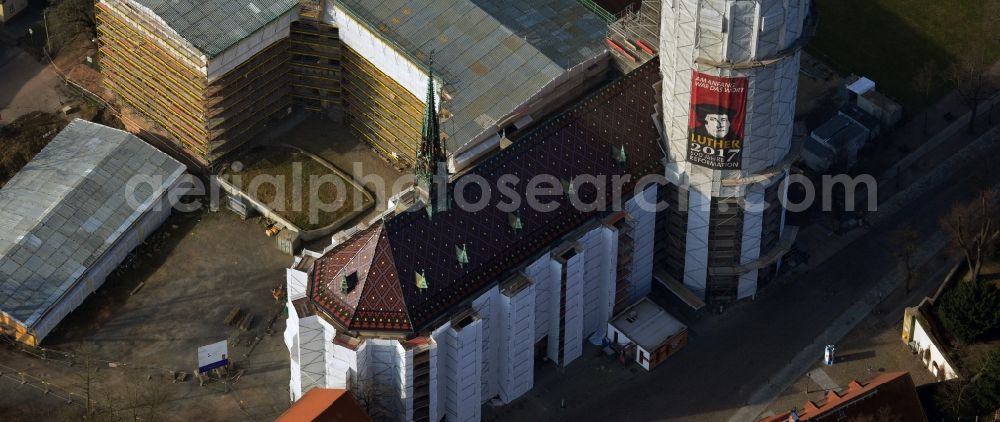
432	159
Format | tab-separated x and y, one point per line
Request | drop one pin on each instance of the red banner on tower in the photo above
717	122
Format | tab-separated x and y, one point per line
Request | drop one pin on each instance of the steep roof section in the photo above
67	207
354	256
325	404
382	306
213	26
581	141
493	55
893	392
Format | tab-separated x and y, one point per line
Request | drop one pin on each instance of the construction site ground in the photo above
148	321
27	85
333	141
282	171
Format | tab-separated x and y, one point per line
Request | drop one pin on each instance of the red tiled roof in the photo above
892	392
325	405
577	142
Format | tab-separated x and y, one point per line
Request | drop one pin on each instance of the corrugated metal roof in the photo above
493	55
213	26
64	209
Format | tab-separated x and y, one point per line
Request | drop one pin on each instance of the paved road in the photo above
730	356
26	85
873	346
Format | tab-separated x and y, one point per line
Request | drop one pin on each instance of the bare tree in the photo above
372	397
904	242
923	82
68	20
949	396
154	396
87	379
970	227
971	77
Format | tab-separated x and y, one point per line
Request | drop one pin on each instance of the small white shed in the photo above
655	333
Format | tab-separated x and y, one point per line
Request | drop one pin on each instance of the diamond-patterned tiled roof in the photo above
67	207
374	300
581	141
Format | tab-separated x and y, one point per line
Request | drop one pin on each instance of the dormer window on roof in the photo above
421	281
569	188
462	254
514	220
348	282
620	156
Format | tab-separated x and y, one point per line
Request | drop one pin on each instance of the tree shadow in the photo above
869	354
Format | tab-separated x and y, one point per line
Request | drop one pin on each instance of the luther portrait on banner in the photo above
718	118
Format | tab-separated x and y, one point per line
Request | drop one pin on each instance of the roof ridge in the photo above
82	174
70	188
391	292
508	155
362	237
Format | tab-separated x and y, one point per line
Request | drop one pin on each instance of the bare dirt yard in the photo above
146	323
24	138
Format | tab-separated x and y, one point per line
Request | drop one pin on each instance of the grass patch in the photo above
269	176
890	40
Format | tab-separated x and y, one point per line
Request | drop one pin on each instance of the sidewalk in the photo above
941	145
873	347
821	243
786	378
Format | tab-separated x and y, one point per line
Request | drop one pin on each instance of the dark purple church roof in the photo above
387	257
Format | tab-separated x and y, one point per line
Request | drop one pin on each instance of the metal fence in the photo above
598	10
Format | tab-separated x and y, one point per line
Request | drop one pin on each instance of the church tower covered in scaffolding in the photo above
730	75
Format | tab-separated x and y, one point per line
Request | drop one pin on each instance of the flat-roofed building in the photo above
654	333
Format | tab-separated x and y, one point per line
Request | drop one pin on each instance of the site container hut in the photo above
844	137
65	222
654	332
